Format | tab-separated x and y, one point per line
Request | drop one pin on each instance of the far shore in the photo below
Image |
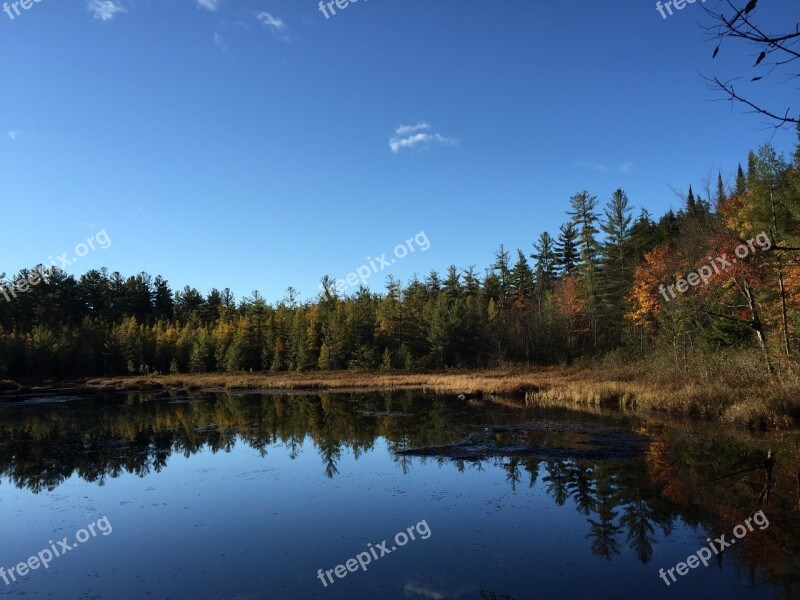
757	404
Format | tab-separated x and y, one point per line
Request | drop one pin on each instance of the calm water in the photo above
249	496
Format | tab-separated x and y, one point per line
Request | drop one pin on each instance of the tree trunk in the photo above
757	325
784	319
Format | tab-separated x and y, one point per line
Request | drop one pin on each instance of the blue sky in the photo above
248	144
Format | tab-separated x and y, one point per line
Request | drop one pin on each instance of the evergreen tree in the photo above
472	283
546	260
500	267
741	182
617	265
691	205
643	236
585	218
163	304
566	250
721	195
452	283
522	277
617	229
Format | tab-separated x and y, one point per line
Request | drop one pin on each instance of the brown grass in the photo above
735	392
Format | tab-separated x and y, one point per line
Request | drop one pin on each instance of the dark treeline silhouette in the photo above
680	475
593	288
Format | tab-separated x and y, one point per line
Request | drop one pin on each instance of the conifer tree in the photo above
721	195
617	266
545	256
522	277
502	270
585	218
566	250
741	182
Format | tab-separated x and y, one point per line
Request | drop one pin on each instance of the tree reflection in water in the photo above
711	481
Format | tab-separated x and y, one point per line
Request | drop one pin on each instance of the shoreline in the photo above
755	406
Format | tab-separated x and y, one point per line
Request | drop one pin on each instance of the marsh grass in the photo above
734	388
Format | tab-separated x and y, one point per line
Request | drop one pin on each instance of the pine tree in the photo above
643	236
721	195
545	256
472	283
255	334
617	265
617	228
691	206
566	250
501	269
741	182
585	218
522	277
452	283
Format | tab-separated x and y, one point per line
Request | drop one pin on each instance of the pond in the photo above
387	495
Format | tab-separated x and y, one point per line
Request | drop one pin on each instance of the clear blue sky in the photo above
246	143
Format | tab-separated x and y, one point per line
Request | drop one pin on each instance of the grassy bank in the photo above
734	389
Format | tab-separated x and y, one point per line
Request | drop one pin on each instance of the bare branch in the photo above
780	48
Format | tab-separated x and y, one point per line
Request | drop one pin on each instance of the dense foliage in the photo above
592	289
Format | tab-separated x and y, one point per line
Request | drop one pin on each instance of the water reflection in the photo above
630	480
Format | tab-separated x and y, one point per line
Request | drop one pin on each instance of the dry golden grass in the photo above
745	396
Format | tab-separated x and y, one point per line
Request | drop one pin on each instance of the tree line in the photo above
589	290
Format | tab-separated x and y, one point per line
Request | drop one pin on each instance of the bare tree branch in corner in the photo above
777	53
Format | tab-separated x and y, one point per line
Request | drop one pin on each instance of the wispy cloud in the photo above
212	5
626	167
276	24
419	135
105	10
407	129
219	42
13	135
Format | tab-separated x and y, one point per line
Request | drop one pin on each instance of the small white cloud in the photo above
626	167
13	135
212	5
105	10
406	129
275	23
410	136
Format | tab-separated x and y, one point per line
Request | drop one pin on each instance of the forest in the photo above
595	288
